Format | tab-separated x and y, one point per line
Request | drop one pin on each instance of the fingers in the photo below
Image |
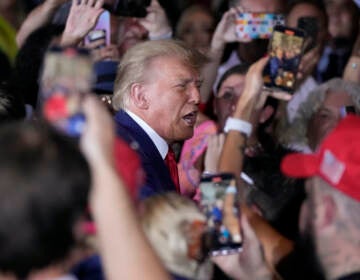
281	95
248	233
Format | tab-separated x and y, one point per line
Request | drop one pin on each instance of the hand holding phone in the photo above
219	204
67	76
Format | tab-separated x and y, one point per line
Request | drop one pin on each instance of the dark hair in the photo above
44	187
237	69
29	61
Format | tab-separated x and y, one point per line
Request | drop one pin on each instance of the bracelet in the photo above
238	125
165	36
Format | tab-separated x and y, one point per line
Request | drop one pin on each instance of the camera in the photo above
130	8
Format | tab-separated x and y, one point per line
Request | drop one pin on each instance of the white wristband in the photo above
238	125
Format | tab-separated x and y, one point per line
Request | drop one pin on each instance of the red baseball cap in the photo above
337	161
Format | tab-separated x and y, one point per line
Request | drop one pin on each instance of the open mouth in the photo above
190	119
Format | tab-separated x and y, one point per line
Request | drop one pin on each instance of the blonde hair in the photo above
135	65
163	218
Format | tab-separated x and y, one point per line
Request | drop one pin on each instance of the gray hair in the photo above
295	132
134	65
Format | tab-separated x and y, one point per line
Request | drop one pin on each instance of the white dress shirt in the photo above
158	141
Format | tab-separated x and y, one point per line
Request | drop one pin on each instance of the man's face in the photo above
172	92
327	117
341	18
227	97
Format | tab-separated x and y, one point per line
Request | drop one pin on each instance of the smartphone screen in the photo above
285	51
257	25
311	29
219	203
101	30
66	76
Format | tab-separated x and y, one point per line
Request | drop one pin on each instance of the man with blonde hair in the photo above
156	96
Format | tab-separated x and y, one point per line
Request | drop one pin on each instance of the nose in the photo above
194	95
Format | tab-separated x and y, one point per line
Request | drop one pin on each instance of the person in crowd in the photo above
329	217
246	51
156	98
35	158
40	207
305	82
195	27
343	27
324	107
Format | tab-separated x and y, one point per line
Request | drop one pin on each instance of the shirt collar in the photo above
158	141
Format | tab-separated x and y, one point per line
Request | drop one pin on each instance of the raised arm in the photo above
82	18
37	18
124	249
231	159
224	33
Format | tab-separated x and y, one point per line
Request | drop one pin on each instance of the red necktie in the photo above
172	166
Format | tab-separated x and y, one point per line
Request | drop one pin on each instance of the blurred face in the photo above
227	97
308	10
130	33
196	30
327	117
172	92
341	19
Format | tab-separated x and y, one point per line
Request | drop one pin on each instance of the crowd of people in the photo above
110	123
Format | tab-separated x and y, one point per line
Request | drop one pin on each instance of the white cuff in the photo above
238	125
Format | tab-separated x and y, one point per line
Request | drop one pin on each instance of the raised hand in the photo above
156	21
82	18
225	30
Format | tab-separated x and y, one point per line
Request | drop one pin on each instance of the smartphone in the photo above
101	30
311	28
219	203
66	76
285	52
257	25
130	8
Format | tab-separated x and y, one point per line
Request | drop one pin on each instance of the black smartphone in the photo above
219	203
285	52
311	29
66	76
129	8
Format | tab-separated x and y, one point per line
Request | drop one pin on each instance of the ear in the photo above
266	113
327	214
138	96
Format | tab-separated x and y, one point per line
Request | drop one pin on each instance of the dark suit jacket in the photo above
158	178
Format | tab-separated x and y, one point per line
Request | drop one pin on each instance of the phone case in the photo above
219	204
102	27
285	52
257	25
